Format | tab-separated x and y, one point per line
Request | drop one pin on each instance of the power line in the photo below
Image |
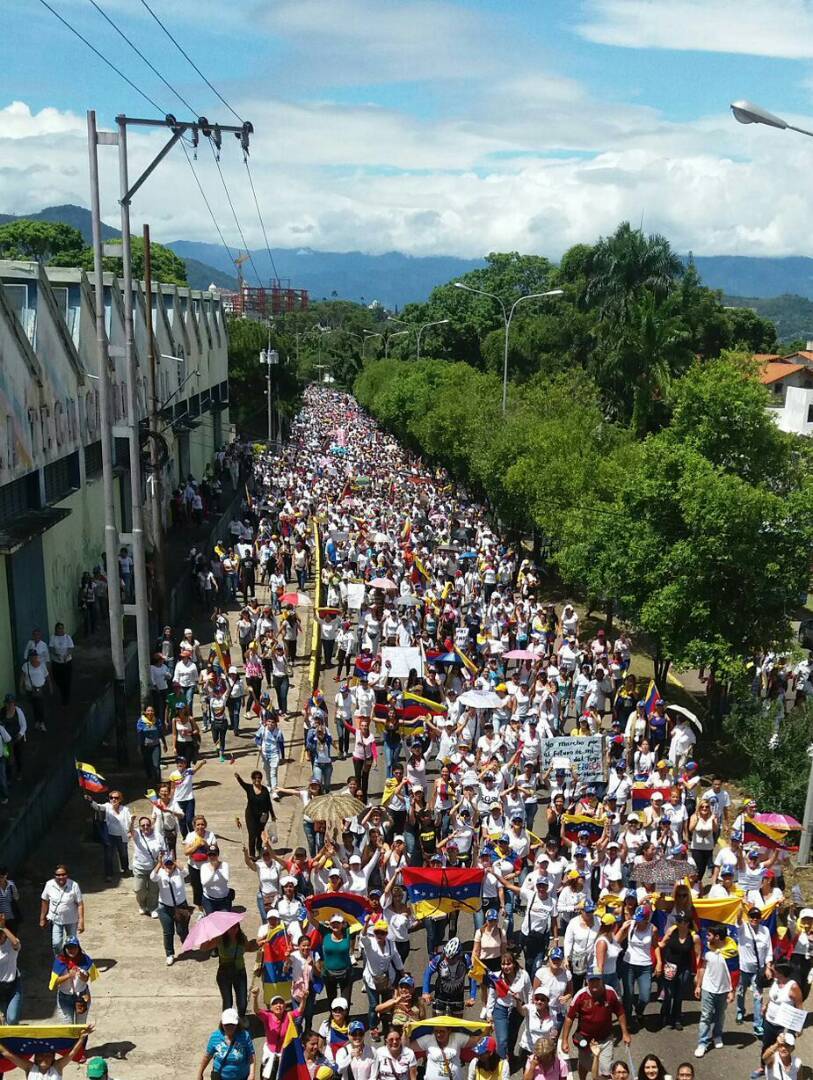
206	202
259	215
191	61
138	51
102	57
234	215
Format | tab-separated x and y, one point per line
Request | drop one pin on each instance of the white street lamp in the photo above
438	322
507	316
389	338
746	112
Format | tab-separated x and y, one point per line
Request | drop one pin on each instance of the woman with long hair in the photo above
259	808
677	957
652	1068
231	970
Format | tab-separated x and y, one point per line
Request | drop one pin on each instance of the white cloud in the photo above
780	28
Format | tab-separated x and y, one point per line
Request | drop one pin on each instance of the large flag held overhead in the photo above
354	908
723	912
573	824
29	1039
89	779
767	836
420	1028
442	890
641	795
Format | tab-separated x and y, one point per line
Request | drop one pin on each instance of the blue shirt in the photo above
233	1060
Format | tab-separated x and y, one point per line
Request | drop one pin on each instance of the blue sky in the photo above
435	126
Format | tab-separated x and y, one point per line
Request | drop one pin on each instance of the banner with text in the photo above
587	754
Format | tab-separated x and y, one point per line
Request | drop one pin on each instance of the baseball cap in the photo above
557	953
406	980
355	860
488	1045
581	851
356	1027
539	991
657	796
97	1067
492	915
517	815
540	881
337	920
641	913
607	919
790	1038
229	1016
334	871
381	926
727	871
339	1003
589	906
596	976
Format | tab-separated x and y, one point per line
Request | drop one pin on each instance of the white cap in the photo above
288	879
397	839
339	1003
806	913
789	1038
229	1016
188	630
337	918
355	860
334	871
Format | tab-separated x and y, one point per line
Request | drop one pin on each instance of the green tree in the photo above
627	264
247	377
44	241
167	267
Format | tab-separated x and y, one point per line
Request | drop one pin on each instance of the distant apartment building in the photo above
51	496
790	382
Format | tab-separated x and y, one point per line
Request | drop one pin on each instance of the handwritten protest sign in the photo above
586	754
355	595
402	661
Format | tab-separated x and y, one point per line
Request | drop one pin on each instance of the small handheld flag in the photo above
90	780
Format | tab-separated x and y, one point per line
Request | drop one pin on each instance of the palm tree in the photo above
642	357
626	264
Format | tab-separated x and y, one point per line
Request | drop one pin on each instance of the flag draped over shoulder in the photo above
420	1028
63	965
442	890
29	1039
292	1056
407	728
724	912
573	824
770	918
89	779
354	908
766	836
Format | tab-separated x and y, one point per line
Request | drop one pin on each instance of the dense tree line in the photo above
635	441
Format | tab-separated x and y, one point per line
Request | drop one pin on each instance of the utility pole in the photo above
178	129
269	357
111	536
156	465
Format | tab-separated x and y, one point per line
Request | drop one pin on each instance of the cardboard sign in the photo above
355	595
791	1019
402	661
587	754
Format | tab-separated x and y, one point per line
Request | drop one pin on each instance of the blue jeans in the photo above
749	978
675	992
281	687
311	837
325	773
60	932
215	903
188	693
187	808
642	975
301	578
11	1000
501	1019
66	1005
712	1017
530	814
230	584
373	998
235	705
392	755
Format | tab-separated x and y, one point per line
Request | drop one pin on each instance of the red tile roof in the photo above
773	372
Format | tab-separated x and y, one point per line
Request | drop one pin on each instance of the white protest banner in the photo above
401	660
355	595
587	754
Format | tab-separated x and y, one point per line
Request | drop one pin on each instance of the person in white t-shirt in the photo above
714	989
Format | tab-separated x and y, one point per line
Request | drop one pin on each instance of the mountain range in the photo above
780	288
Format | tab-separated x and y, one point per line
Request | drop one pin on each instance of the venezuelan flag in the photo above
29	1039
337	1037
498	984
415	705
421	1028
276	980
478	970
276	945
406	727
783	839
353	907
770	918
292	1056
726	913
421	569
442	890
641	795
89	779
152	795
62	965
573	824
652	695
466	661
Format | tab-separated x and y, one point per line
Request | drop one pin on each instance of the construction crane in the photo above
238	262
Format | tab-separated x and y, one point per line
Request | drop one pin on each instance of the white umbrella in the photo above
685	712
481	699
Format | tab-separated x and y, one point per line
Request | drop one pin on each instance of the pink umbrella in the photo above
519	654
210	927
382	583
778	821
294	599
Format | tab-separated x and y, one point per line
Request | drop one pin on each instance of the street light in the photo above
507	316
369	335
388	339
269	357
747	113
438	322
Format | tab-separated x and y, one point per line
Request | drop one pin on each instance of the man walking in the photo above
714	990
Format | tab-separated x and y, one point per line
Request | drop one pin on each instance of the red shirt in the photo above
595	1017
